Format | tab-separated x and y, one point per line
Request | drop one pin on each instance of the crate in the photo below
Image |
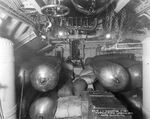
73	107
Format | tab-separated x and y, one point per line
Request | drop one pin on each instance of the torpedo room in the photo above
74	59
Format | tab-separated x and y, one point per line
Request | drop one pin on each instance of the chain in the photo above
107	22
92	6
110	20
123	16
116	25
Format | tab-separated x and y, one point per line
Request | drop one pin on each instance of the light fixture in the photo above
108	36
55	9
43	37
61	32
2	15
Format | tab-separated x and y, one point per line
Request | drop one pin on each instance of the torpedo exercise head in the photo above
43	108
112	76
44	77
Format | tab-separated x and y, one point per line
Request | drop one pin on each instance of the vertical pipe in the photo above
7	79
146	78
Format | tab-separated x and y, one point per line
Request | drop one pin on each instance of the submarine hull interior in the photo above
74	59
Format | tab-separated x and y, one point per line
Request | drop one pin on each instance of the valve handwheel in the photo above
55	10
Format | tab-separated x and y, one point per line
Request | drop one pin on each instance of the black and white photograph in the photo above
74	59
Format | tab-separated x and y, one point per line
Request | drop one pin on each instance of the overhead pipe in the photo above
87	12
87	28
7	79
17	14
79	36
146	78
